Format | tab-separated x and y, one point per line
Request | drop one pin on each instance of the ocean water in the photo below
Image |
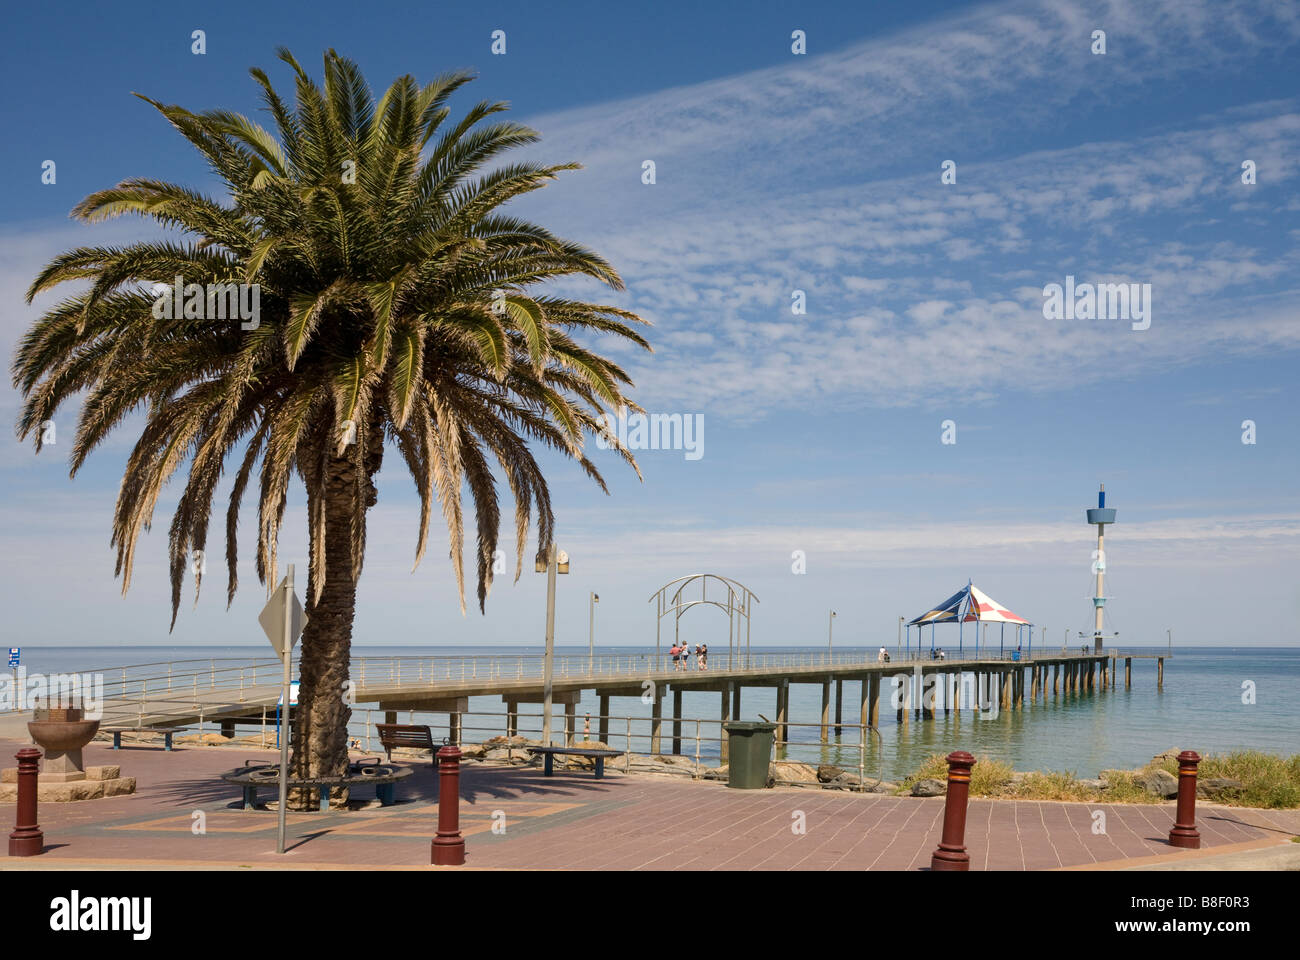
1215	699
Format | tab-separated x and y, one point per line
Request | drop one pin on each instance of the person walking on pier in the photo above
703	656
676	653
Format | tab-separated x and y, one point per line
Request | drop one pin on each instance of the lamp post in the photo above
591	630
900	637
830	633
557	561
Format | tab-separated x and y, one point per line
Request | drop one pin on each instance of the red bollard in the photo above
27	840
1184	833
449	845
952	854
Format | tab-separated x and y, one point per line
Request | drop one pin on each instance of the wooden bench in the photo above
549	754
410	736
117	732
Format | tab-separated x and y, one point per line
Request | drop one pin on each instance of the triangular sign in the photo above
272	617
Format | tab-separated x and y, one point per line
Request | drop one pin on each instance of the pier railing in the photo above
149	693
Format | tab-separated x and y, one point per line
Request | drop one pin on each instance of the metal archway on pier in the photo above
734	598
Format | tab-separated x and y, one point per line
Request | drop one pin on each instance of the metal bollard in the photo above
27	840
1184	833
952	854
448	848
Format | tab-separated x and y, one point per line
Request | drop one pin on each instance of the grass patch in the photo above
988	778
1267	780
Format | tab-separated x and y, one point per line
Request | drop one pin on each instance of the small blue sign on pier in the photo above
14	655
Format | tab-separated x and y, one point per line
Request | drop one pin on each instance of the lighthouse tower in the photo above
1099	518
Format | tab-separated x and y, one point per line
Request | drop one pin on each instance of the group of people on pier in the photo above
681	654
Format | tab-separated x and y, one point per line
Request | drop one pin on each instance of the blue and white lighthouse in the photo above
1099	517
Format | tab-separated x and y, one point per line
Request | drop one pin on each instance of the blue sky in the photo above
778	172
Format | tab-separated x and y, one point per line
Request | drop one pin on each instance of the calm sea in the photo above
1203	707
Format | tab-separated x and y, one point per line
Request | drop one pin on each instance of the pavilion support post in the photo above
872	685
929	694
735	701
1160	673
454	728
677	722
826	711
1128	672
1033	684
604	719
865	702
1007	680
1056	679
512	718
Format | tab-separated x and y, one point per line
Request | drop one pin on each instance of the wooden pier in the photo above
227	693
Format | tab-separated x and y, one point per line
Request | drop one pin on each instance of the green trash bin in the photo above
749	749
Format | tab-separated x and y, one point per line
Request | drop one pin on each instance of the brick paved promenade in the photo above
572	821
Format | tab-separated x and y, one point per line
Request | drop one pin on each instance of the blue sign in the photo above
13	655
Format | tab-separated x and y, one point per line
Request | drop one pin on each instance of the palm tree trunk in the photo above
320	746
320	738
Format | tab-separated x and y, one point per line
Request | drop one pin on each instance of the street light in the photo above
591	630
557	561
830	631
900	637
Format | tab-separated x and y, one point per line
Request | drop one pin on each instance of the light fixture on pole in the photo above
591	630
557	561
900	636
830	633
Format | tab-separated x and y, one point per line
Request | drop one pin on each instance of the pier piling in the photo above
782	708
677	722
656	720
826	711
727	694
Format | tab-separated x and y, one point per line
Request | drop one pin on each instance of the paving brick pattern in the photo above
515	818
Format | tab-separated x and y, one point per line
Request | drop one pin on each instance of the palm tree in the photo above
395	306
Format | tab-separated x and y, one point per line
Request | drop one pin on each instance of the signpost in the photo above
14	655
283	619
